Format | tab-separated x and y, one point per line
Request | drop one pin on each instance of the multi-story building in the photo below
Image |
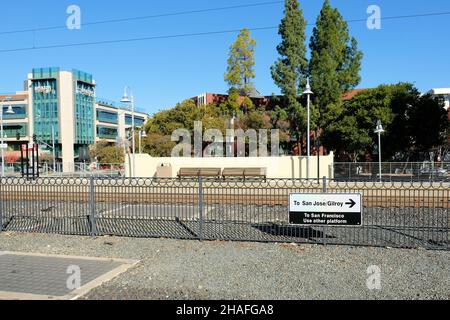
61	109
217	99
16	123
443	95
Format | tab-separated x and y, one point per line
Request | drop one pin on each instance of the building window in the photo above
84	113
107	132
201	100
20	112
45	108
108	117
138	121
12	129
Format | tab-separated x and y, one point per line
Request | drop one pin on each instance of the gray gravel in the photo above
172	269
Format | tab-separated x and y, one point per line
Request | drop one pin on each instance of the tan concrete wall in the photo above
277	167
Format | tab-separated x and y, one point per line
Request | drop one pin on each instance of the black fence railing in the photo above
392	171
396	214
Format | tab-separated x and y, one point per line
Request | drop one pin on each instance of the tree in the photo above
335	63
414	124
428	125
256	120
290	70
158	145
241	62
160	127
280	120
352	131
105	153
182	116
232	105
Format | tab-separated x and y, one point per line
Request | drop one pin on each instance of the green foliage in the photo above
106	153
413	123
290	70
232	105
335	62
241	62
161	126
158	145
279	119
182	116
247	105
257	119
428	125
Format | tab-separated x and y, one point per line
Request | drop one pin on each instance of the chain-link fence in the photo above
392	171
397	214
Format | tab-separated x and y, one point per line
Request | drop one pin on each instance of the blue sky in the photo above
165	71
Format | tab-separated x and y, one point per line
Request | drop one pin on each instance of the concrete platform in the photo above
49	277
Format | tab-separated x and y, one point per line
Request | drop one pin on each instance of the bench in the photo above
245	173
233	172
199	172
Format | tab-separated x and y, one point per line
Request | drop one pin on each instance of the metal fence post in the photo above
325	228
200	208
92	206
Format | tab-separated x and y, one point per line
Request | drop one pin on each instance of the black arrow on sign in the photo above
352	203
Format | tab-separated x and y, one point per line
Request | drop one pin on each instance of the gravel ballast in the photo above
193	270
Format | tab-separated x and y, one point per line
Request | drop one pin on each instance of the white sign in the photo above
326	209
4	146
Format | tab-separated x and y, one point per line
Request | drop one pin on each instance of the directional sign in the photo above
326	209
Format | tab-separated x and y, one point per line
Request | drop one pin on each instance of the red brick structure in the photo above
349	95
258	100
217	99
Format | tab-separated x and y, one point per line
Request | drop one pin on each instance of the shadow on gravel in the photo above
292	231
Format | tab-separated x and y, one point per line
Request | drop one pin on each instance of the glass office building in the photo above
61	108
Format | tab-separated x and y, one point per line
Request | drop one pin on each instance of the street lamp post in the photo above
308	93
130	100
379	130
142	134
9	111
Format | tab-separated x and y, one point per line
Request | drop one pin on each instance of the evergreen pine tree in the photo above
290	70
335	63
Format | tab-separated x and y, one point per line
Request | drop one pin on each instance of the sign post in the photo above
328	209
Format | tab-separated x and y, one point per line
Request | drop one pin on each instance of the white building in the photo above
442	94
61	108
